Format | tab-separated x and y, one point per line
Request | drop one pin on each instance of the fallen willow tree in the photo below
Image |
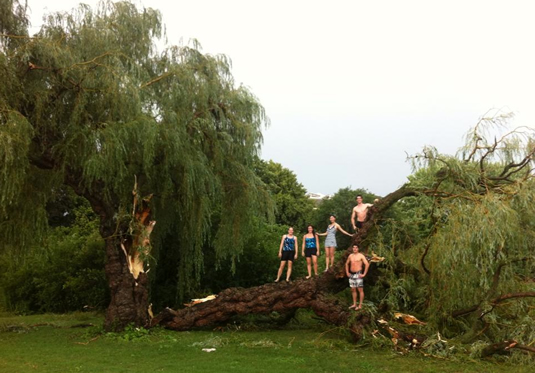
470	276
315	293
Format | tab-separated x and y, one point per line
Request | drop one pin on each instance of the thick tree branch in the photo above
505	348
495	301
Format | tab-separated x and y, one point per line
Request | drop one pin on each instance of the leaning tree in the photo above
90	103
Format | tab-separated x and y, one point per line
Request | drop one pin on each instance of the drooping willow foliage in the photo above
465	246
90	101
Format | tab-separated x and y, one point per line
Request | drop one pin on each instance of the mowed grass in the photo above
64	343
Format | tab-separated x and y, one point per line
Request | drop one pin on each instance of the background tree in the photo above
63	272
292	206
89	103
13	21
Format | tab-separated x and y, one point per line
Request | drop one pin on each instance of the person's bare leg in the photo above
289	271
315	261
333	250
327	257
361	296
279	274
354	296
309	268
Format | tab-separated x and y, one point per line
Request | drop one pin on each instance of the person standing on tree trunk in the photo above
360	211
287	253
311	250
330	241
353	266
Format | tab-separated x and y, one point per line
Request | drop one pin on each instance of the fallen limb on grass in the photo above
503	348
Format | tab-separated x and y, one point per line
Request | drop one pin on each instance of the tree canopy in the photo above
91	103
292	206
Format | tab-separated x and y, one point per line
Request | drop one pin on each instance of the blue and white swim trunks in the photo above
355	281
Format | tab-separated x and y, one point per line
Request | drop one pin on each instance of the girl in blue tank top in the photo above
287	253
311	250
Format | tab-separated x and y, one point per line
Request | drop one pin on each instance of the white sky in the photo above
352	86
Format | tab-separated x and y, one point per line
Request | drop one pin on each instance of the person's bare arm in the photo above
347	266
280	247
303	246
318	244
322	234
296	246
342	230
353	219
367	264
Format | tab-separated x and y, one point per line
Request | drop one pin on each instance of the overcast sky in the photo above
352	86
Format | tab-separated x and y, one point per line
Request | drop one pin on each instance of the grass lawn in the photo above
57	343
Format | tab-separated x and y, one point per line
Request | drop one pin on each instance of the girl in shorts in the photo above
287	253
311	250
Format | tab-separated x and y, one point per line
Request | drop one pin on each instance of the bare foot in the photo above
308	277
353	306
358	308
277	280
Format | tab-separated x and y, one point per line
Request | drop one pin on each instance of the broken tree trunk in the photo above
264	299
127	246
315	294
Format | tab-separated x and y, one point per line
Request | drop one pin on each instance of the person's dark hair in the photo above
358	195
333	215
355	245
313	230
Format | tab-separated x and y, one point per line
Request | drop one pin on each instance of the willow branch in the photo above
501	298
157	79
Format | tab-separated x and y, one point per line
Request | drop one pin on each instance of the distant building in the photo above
318	197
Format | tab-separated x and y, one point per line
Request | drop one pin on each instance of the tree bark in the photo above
264	299
129	301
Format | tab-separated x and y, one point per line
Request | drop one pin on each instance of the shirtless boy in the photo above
354	265
360	211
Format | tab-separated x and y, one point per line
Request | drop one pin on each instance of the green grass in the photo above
50	343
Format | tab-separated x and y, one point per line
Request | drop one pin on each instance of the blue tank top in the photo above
310	243
289	244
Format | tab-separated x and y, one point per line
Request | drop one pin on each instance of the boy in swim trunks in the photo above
354	265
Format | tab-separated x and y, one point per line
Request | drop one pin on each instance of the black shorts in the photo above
359	224
311	251
288	255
